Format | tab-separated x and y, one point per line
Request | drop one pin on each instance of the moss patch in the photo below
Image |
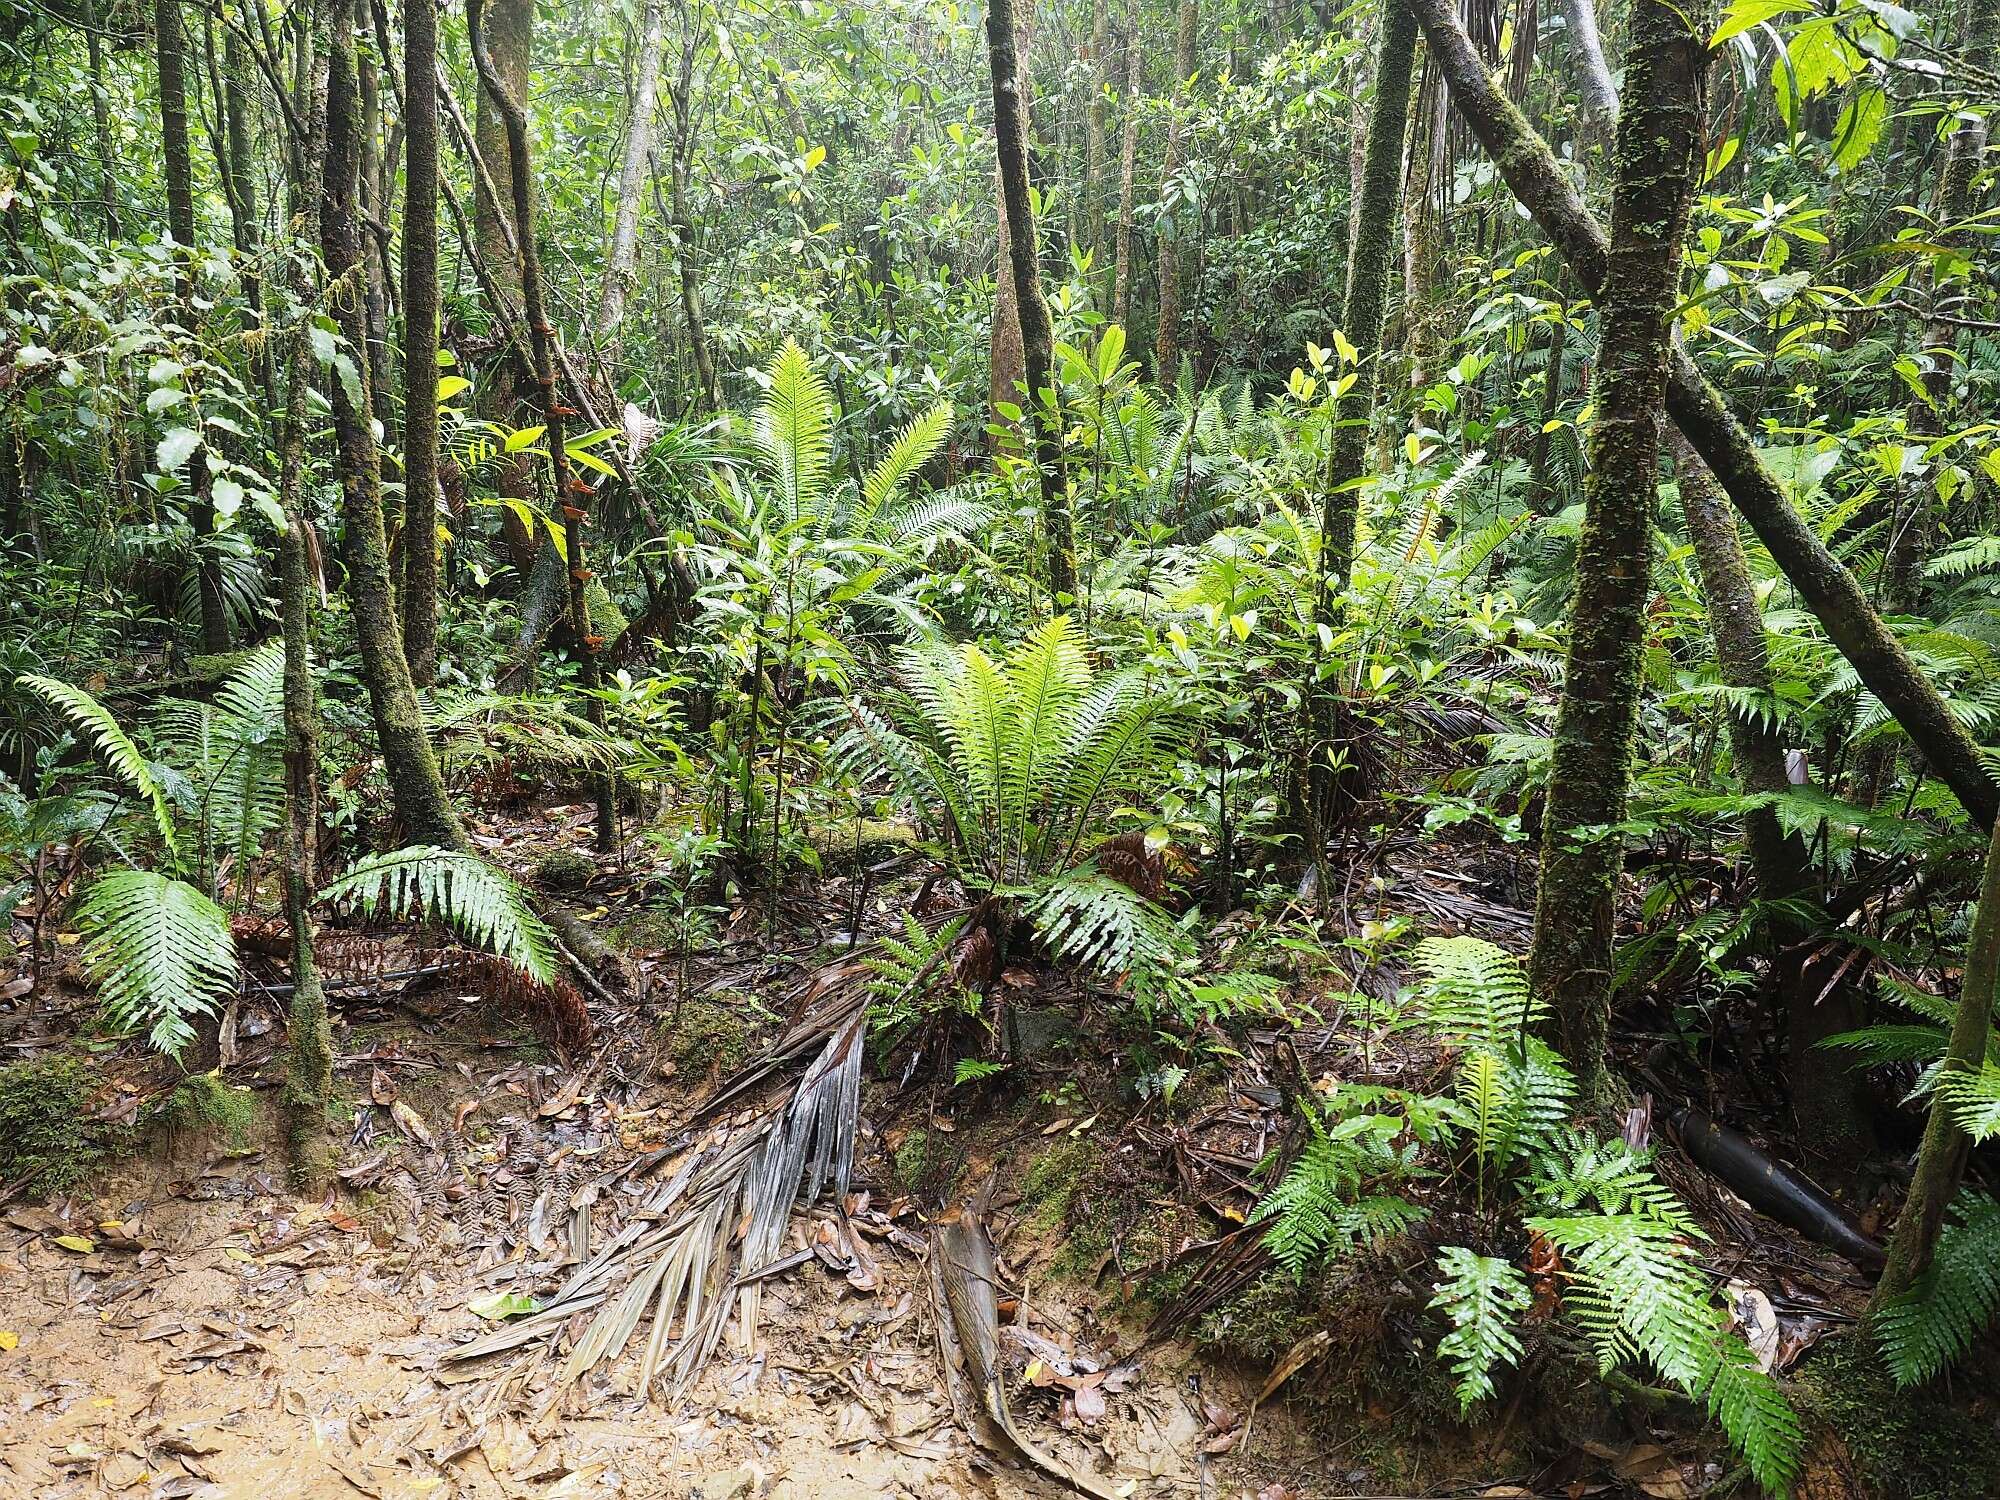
46	1134
1903	1444
203	1105
711	1036
564	870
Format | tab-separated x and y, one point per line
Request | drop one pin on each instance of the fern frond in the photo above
479	902
1476	994
1482	1295
1928	1327
794	431
1091	919
123	757
916	445
160	951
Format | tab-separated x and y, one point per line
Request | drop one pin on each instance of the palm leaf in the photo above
160	951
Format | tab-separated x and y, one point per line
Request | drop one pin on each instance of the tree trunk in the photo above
1658	153
1941	1159
631	184
308	1089
709	387
1552	386
1598	99
1093	134
420	341
1725	445
1167	337
1010	129
1006	361
1368	260
1827	1094
1128	156
414	785
374	229
170	45
572	494
100	111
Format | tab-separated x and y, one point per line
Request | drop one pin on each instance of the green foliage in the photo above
1483	1296
480	903
1927	1328
1333	1199
202	1103
160	951
47	1139
120	753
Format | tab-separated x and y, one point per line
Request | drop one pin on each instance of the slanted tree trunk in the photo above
420	341
170	48
414	784
1369	256
1093	131
1725	445
572	494
1167	337
309	1040
1658	152
1006	367
1128	157
618	266
1941	1159
1598	107
1010	129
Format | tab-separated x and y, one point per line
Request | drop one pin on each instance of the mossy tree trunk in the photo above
1167	337
1093	134
1010	129
1658	151
1941	1159
1128	160
309	1067
1369	257
418	792
170	53
1835	597
708	386
420	341
573	495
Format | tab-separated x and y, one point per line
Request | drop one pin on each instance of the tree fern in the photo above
160	951
1090	919
120	754
480	903
1928	1327
1483	1296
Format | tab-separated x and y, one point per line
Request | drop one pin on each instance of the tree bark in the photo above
1128	157
170	45
374	204
1368	260
1599	99
1093	132
100	111
573	495
1010	129
414	784
1941	1159
1006	367
308	1091
1167	337
624	254
420	341
1827	1095
1725	445
1658	153
708	385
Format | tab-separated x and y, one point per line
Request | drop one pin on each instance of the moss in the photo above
1903	1444
203	1105
564	870
710	1035
46	1133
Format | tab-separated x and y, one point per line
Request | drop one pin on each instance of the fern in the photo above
1637	1290
480	903
1331	1201
160	951
1482	1296
794	432
1090	919
916	445
1929	1326
120	754
1475	995
1973	1099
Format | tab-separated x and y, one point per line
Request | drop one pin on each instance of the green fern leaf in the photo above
480	903
123	757
1923	1331
160	951
1482	1296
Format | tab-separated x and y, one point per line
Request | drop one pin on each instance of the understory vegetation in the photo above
1424	571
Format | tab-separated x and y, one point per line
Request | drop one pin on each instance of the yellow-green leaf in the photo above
77	1243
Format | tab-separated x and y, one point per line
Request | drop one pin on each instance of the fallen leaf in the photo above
77	1243
9	1339
503	1305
